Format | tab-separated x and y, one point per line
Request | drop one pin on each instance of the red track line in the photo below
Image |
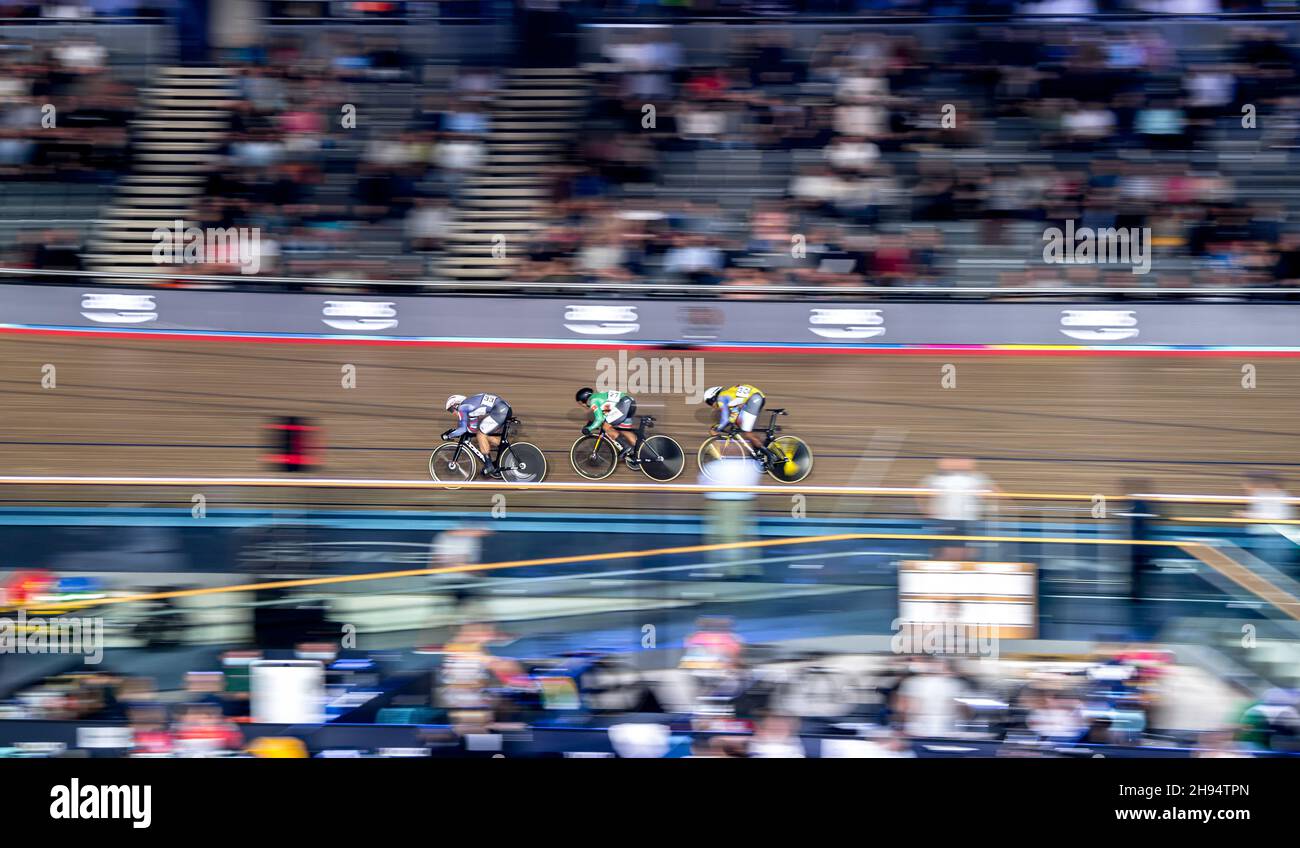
935	350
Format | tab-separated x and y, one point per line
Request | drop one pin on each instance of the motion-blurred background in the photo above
1011	544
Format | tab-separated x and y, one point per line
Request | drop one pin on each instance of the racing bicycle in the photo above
794	459
595	455
517	462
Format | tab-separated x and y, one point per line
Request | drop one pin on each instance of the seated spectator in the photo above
427	224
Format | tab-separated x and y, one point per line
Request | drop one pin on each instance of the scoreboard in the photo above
1001	596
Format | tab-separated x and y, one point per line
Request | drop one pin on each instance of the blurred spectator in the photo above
926	699
886	743
460	548
777	736
1267	502
201	731
1219	744
729	513
955	500
1141	515
150	735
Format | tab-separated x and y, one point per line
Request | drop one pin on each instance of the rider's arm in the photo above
463	418
598	416
724	412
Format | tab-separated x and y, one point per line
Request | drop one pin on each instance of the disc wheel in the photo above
797	456
661	458
523	463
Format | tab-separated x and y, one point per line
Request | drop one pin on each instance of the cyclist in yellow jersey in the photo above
739	405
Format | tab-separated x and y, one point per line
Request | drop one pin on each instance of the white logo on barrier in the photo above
1099	325
601	320
118	308
847	323
360	314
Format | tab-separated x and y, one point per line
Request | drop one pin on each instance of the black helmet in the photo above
584	394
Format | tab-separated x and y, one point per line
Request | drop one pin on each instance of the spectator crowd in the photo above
827	158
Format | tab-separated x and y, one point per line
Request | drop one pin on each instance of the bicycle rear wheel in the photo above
717	448
446	466
797	456
593	458
523	463
661	458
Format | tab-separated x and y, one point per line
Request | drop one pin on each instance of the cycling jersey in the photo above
610	407
740	404
482	413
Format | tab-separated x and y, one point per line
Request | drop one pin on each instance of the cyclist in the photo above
481	414
608	409
739	405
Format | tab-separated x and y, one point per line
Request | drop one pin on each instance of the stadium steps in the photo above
535	117
177	138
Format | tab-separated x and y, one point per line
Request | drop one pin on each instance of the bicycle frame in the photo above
644	423
467	443
770	433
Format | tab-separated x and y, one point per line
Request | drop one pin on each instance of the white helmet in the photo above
711	392
454	401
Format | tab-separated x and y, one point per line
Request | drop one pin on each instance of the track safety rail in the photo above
583	486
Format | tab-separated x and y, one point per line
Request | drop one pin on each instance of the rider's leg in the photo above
624	441
487	444
623	412
746	420
615	436
484	438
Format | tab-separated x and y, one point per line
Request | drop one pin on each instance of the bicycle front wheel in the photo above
718	448
794	459
661	458
523	463
593	458
451	464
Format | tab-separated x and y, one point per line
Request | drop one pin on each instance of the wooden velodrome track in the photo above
1080	424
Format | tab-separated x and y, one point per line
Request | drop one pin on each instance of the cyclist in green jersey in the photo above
609	409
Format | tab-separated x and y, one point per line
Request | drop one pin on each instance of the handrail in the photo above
587	289
611	555
579	486
1217	560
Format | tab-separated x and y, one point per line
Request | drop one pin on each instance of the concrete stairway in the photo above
176	136
534	118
